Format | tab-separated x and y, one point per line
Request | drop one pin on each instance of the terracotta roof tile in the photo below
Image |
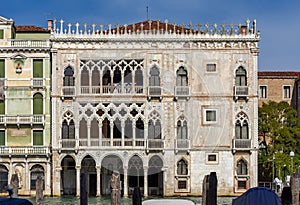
30	29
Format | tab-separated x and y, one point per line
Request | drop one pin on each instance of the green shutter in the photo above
2	69
37	104
37	68
1	34
37	137
2	107
2	137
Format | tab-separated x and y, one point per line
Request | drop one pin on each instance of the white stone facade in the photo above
164	105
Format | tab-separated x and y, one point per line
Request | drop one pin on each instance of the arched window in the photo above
94	129
69	76
241	168
241	126
182	130
154	77
68	130
181	77
139	129
83	132
241	77
3	177
182	167
38	104
128	128
139	77
154	129
106	128
117	129
84	77
241	130
96	81
36	170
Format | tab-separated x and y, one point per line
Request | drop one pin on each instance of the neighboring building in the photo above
24	106
161	104
279	86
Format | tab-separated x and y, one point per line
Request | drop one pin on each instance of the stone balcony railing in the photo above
154	91
22	119
182	91
24	150
38	82
105	89
241	91
68	91
19	43
104	142
182	145
241	144
155	144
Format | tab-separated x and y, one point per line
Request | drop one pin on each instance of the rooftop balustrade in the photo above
154	29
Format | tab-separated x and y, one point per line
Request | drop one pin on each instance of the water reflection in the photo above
71	200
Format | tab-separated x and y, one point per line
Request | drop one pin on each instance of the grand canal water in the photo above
71	200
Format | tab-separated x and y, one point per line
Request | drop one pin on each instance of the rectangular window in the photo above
2	138
182	184
242	184
37	68
1	34
262	91
212	157
210	116
211	67
38	137
2	68
286	91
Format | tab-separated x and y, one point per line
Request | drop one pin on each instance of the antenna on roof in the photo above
147	12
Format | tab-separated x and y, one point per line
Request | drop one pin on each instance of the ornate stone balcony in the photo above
110	90
24	150
241	144
37	82
182	145
104	142
155	144
182	92
154	91
241	91
68	92
22	119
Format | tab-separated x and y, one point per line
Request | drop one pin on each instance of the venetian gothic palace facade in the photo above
161	104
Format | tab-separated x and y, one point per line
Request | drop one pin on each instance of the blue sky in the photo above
278	20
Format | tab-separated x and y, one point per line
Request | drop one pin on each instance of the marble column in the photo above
78	180
98	168
125	182
145	181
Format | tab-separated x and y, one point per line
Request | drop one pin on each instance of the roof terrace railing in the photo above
154	28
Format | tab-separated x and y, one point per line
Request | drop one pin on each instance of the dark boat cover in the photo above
14	201
257	196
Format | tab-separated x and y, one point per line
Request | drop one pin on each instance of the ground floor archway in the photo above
68	176
88	166
155	176
110	164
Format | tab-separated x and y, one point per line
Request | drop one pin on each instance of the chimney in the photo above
50	22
